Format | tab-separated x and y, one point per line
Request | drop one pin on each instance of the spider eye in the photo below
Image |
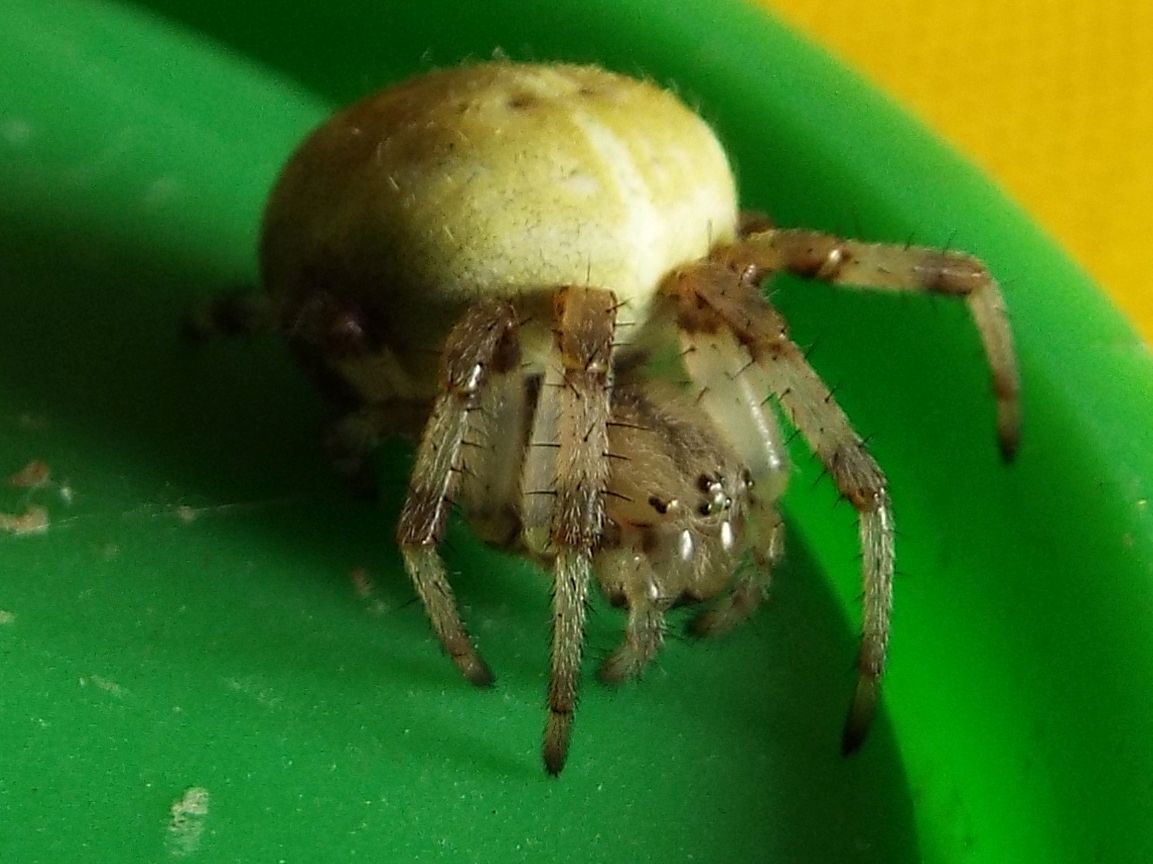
747	479
705	509
705	482
657	504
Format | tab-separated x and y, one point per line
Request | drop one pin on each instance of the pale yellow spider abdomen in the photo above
497	179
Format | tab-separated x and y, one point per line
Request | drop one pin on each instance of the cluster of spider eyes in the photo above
716	500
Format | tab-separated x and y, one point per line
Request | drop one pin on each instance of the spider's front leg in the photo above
892	267
731	390
724	309
566	475
766	532
631	578
481	345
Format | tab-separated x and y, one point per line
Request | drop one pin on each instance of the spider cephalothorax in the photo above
485	258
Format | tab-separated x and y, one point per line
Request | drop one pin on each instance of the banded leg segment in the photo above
894	267
481	344
711	297
585	321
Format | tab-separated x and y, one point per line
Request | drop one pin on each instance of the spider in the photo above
490	259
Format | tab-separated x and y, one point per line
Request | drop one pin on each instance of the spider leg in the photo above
898	268
570	433
752	581
712	298
751	221
482	343
489	494
631	573
732	392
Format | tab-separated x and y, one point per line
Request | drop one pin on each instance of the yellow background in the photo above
1052	98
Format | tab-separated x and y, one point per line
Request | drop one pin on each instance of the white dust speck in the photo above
186	825
364	589
32	476
105	684
32	422
34	520
264	696
15	131
161	192
7	617
361	583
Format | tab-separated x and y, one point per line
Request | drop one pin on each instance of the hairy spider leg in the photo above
894	267
483	343
566	477
713	298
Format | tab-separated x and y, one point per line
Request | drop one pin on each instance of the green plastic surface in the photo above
214	654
